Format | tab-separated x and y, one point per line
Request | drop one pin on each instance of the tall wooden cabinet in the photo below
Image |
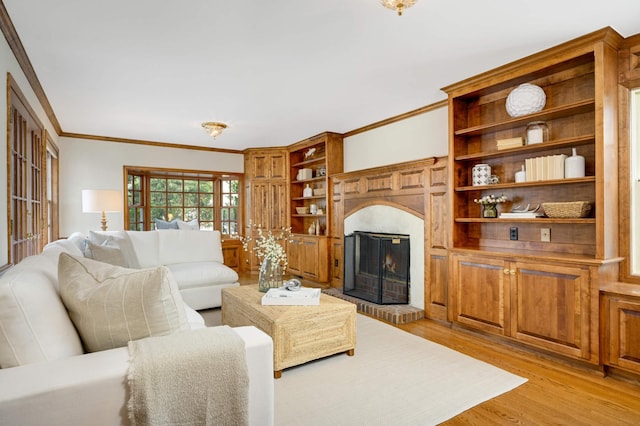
311	163
543	293
266	192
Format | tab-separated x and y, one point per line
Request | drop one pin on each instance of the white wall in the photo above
90	164
414	138
9	64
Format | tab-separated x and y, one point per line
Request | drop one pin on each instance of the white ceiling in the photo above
276	71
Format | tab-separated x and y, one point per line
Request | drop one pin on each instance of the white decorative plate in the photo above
525	99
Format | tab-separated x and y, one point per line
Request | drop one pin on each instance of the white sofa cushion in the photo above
189	246
200	274
34	325
145	245
110	305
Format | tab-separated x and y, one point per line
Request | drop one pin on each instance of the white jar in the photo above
481	174
574	165
521	176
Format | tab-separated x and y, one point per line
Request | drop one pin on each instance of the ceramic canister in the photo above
481	174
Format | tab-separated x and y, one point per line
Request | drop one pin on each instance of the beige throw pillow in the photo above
110	305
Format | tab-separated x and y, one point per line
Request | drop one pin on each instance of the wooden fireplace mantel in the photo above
399	185
417	187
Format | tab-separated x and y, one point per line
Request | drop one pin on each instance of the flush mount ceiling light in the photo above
213	128
398	5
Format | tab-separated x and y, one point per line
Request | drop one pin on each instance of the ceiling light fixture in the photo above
398	5
213	128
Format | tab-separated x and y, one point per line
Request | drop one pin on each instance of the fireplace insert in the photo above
376	267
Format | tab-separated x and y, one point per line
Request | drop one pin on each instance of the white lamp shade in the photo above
101	200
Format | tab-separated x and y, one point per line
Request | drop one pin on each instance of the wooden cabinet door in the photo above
260	204
232	253
550	307
277	210
258	166
294	257
481	294
267	165
623	327
278	165
269	204
309	254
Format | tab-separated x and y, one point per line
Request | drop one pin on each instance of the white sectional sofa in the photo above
194	257
45	376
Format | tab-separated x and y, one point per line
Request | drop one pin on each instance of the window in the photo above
213	199
229	213
634	174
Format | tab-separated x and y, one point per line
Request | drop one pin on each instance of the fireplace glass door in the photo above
376	267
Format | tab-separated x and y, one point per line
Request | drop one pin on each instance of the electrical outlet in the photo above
545	235
513	233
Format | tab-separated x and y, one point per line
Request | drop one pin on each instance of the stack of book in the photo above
284	297
509	143
545	168
520	215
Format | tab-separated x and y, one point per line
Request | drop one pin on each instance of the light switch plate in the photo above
545	235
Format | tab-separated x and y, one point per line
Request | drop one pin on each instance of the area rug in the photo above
395	378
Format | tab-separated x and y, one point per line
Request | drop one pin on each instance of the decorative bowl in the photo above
302	210
525	99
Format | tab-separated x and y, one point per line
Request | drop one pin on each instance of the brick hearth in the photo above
395	314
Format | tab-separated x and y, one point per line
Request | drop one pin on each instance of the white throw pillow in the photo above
192	225
110	305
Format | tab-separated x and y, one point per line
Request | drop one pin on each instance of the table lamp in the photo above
101	201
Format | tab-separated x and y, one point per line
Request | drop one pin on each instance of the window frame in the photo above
626	181
148	173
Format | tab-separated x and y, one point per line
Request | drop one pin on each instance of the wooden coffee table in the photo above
300	333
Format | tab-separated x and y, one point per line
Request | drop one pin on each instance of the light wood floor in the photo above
555	393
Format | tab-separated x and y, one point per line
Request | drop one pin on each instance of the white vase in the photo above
574	165
307	191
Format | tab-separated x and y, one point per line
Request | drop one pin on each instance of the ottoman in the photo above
300	333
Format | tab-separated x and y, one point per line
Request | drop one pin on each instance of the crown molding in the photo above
149	143
397	118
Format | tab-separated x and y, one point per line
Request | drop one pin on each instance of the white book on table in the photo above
284	297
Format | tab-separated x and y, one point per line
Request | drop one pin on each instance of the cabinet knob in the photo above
506	271
512	272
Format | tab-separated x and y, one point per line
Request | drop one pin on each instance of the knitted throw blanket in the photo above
197	377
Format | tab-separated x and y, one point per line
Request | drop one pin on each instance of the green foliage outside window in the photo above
214	202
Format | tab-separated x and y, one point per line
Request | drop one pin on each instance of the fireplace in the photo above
376	267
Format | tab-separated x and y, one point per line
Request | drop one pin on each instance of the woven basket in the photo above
567	209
